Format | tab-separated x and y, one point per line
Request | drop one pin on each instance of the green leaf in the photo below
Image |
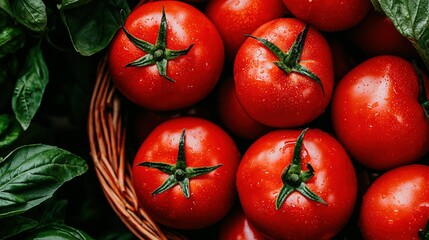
56	231
32	173
91	27
11	226
68	4
30	87
30	13
411	18
10	130
11	39
4	4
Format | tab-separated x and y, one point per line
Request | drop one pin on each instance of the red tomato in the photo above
265	89
184	147
236	227
233	116
234	18
376	35
329	15
377	116
191	45
396	206
323	168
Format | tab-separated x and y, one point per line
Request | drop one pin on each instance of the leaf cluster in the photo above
39	42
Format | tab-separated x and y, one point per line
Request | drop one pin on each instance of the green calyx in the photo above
157	54
178	173
423	97
294	178
290	61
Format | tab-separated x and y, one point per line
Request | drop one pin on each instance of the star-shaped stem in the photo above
294	178
289	61
423	97
157	54
179	173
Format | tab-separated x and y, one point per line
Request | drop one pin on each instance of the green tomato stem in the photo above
294	178
289	61
179	174
156	54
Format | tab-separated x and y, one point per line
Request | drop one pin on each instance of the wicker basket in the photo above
107	137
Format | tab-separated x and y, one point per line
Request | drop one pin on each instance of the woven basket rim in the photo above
107	139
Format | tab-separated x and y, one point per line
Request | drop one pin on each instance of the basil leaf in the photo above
56	231
68	4
32	173
30	13
11	39
30	87
411	18
14	225
92	27
4	4
9	130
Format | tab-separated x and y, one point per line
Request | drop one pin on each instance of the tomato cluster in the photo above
270	119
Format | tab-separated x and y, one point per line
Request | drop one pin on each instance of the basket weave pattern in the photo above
107	137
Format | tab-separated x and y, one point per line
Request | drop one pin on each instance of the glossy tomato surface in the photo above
377	116
270	95
193	75
330	15
396	206
376	35
259	180
234	18
211	194
236	227
232	115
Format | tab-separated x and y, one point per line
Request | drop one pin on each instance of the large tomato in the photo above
396	205
283	73
297	185
377	115
167	56
184	173
330	15
234	18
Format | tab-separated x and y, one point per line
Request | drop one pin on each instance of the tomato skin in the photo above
259	183
232	115
195	73
236	227
330	15
212	194
271	96
234	18
396	206
376	114
376	35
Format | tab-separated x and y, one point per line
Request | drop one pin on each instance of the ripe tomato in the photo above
296	186
330	15
234	18
184	173
287	81
376	35
179	61
232	115
377	116
396	205
236	227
